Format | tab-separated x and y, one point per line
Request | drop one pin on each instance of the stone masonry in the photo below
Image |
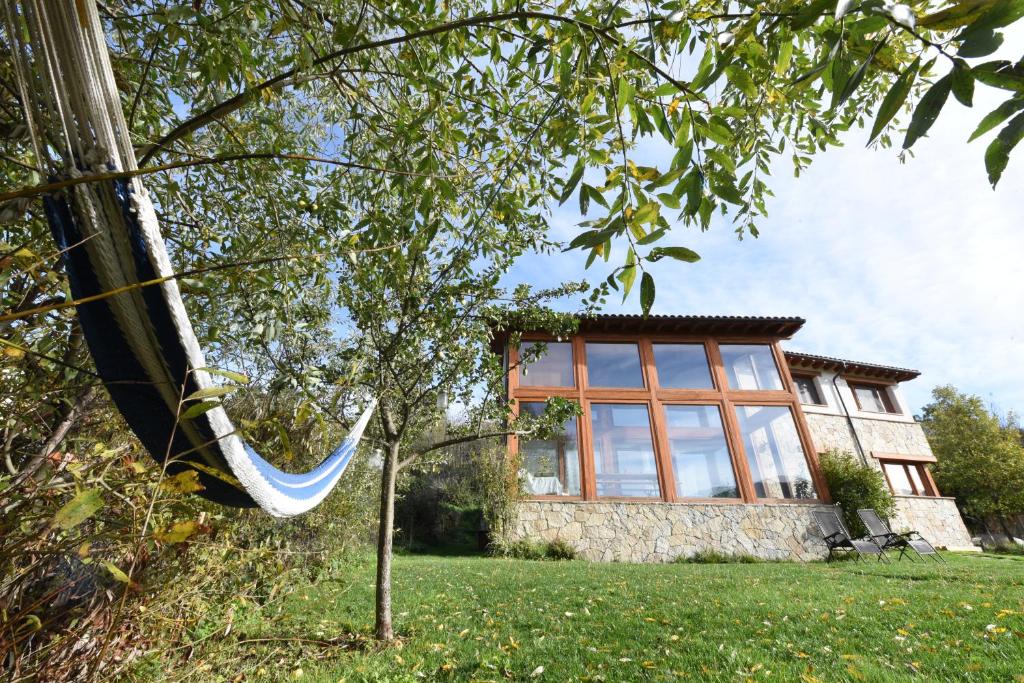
660	532
937	519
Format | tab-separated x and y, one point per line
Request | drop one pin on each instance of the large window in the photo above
624	462
550	466
778	466
873	398
807	390
751	367
614	365
907	478
700	453
665	417
552	369
682	366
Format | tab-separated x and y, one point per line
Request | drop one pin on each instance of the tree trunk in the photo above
385	539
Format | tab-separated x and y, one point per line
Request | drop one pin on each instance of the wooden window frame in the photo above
888	401
656	397
931	490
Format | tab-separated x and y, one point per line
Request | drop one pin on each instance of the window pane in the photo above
682	366
624	462
873	398
777	463
614	365
808	390
898	479
550	466
700	454
553	369
750	366
915	478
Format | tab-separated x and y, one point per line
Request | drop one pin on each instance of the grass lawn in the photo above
490	619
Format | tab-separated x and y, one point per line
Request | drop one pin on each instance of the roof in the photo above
851	367
753	325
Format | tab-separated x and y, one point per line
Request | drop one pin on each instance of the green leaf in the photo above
727	191
1002	74
624	95
998	153
739	76
963	83
627	277
572	182
997	116
895	98
648	213
590	238
669	200
810	14
959	14
229	374
646	293
928	110
652	237
785	57
209	392
851	84
80	508
179	532
1003	13
718	131
198	409
980	44
116	572
678	253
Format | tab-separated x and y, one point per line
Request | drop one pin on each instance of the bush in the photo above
1006	549
855	485
532	549
715	557
559	550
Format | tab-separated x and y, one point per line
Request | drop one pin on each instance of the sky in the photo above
915	264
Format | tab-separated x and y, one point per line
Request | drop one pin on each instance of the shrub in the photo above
1006	549
532	549
855	485
716	557
559	550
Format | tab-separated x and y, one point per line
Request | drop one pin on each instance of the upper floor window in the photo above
682	366
807	389
552	369
614	365
751	367
873	398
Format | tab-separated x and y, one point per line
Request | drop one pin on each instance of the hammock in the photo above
141	340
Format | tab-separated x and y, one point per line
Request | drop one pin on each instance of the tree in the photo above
425	314
980	462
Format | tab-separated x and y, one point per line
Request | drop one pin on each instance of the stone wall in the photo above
884	436
660	532
937	519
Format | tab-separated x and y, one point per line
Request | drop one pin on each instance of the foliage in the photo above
855	485
479	618
980	461
715	557
535	549
1009	548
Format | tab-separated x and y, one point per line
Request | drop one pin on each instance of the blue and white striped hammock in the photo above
141	340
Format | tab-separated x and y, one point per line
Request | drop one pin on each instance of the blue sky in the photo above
915	264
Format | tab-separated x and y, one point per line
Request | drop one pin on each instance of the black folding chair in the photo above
884	536
837	538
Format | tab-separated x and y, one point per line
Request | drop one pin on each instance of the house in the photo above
702	433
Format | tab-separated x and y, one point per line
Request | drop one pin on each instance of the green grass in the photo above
498	619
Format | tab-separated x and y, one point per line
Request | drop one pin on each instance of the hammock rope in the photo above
142	340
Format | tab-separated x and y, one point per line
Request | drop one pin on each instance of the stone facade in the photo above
884	436
661	532
937	519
